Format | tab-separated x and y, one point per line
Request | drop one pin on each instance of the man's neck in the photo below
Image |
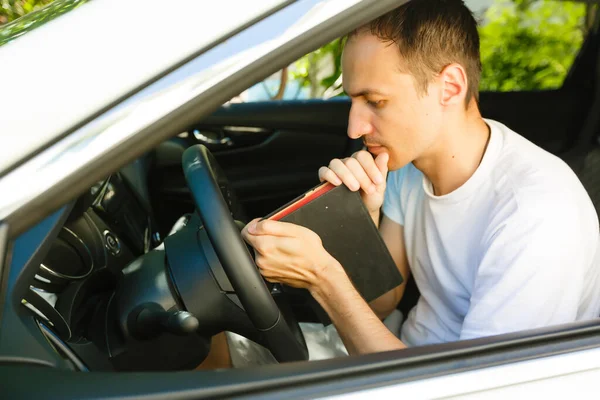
456	155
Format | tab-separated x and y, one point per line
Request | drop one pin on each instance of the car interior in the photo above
141	271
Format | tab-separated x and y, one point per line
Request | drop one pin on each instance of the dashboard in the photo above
112	296
108	227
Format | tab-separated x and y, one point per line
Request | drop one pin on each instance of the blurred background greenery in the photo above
13	9
530	45
17	17
525	45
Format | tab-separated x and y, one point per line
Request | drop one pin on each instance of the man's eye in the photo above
376	103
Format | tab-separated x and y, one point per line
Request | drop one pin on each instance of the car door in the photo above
34	363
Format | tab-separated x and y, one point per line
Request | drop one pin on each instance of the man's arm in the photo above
360	329
294	255
392	234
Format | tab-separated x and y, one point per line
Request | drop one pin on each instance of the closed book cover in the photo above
338	215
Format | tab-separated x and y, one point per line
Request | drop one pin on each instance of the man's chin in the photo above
394	165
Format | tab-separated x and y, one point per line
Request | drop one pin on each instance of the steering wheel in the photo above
214	199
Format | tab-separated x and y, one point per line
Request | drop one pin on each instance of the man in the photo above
499	235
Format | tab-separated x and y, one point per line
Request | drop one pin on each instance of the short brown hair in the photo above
431	34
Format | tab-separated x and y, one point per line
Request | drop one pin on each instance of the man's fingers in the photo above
326	174
274	228
340	168
246	231
359	173
371	168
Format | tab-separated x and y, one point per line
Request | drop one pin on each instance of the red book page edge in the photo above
308	197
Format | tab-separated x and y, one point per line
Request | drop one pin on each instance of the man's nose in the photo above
358	124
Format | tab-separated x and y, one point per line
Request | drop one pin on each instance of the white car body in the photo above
112	82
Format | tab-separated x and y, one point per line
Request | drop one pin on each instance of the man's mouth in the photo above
374	148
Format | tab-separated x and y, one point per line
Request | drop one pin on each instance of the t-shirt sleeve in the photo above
392	203
530	275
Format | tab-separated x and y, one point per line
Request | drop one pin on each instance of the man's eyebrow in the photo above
366	92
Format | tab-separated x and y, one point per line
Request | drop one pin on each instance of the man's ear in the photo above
454	84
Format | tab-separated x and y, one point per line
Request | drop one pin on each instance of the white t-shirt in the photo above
514	248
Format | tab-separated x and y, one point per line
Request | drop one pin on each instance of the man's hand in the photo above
362	172
288	253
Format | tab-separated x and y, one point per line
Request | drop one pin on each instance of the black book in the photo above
340	218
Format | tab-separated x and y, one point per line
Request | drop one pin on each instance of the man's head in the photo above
410	73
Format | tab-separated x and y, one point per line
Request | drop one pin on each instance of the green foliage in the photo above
39	12
529	45
13	9
306	68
